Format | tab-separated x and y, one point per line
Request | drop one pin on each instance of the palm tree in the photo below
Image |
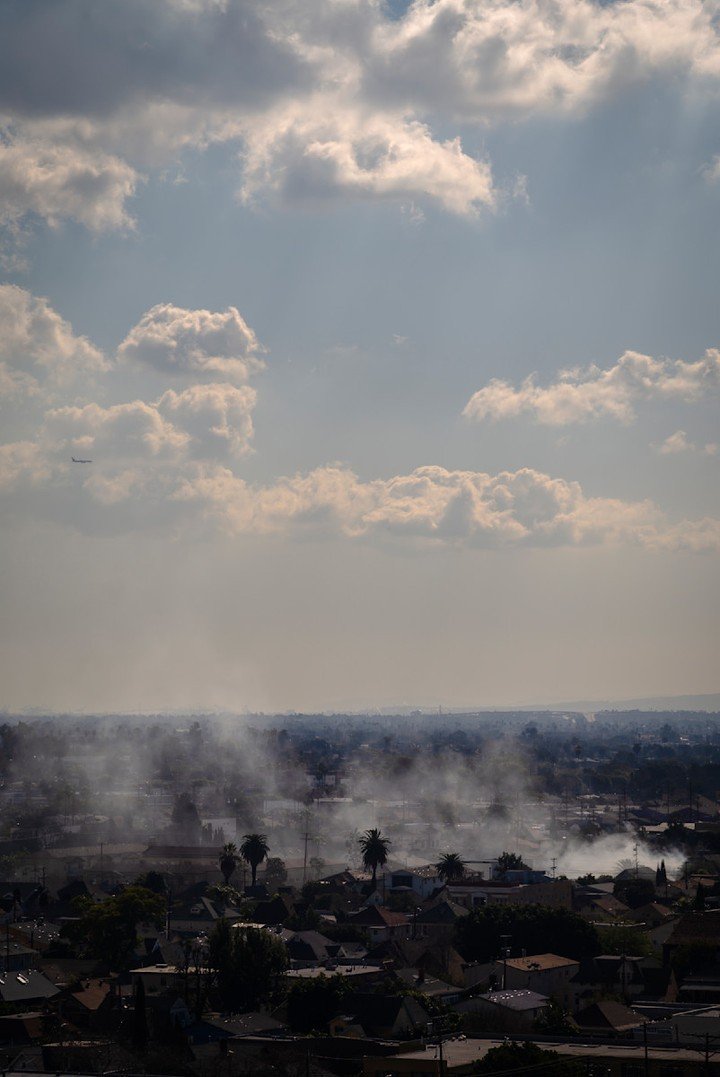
374	849
253	850
450	866
228	860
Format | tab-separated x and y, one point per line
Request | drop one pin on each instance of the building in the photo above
546	974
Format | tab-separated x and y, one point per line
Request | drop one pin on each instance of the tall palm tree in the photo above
450	866
228	860
253	850
374	849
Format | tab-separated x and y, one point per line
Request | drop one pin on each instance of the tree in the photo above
152	880
374	849
525	1057
635	892
699	899
247	965
253	850
536	929
450	866
555	1021
511	862
275	872
139	1027
228	860
311	1003
108	930
618	939
186	820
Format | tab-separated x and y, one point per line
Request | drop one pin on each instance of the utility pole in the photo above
304	877
645	1047
505	941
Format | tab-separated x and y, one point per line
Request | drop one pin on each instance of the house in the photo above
546	974
556	893
310	948
276	910
696	1026
506	1011
90	1006
19	1029
439	920
168	1011
696	929
421	882
16	955
23	988
381	923
193	917
596	905
431	986
217	1028
609	1018
609	974
158	978
386	1017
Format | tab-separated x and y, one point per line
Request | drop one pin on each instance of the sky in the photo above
391	333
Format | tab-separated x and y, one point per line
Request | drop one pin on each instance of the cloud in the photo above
22	463
38	348
306	154
327	100
433	506
712	171
479	61
218	417
586	393
61	182
119	432
176	341
679	443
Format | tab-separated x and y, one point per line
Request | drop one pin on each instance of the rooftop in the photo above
540	962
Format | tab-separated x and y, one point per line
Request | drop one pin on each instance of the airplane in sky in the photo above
80	461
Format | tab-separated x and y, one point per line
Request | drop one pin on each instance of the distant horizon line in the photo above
709	702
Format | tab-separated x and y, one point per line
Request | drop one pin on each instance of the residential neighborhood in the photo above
176	925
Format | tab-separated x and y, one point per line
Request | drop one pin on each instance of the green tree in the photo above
635	892
108	930
511	862
139	1026
525	1057
228	860
246	964
536	929
374	849
311	1003
253	850
152	880
275	872
616	939
450	866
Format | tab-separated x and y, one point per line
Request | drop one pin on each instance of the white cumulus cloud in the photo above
57	181
306	154
432	505
38	348
585	393
177	341
217	417
680	443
